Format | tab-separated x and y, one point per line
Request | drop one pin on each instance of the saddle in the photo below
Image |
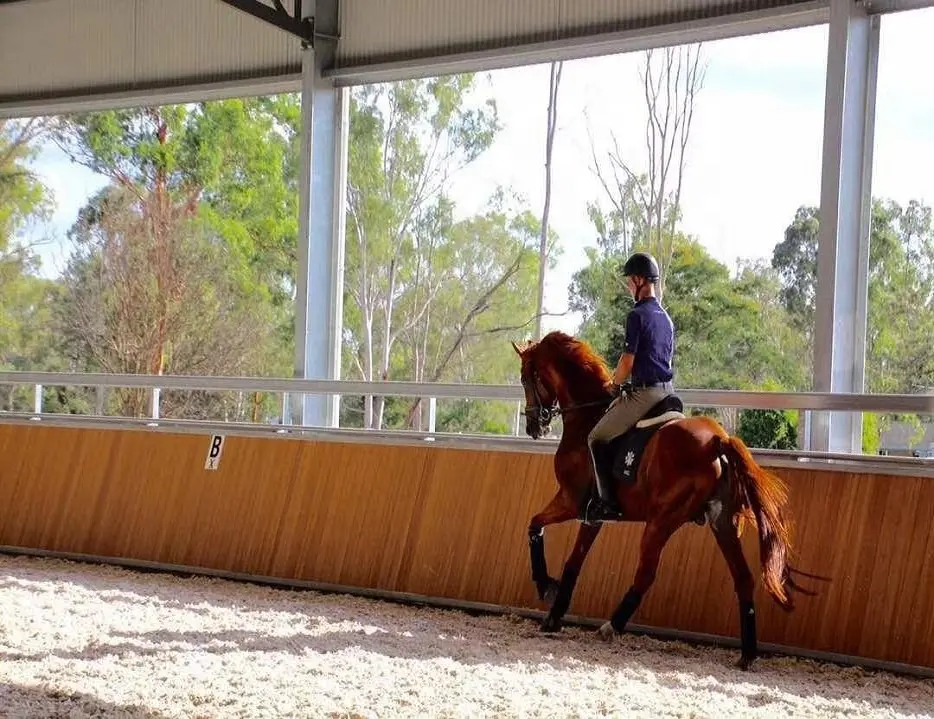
619	459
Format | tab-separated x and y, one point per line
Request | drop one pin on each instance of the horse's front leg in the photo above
555	512
586	535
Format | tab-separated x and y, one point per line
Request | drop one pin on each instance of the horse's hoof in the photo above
550	592
606	631
551	624
745	662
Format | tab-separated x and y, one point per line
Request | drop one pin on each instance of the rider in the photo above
646	361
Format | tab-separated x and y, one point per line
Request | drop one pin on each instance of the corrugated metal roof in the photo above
76	47
376	31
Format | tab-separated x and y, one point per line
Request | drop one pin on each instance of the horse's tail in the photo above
764	494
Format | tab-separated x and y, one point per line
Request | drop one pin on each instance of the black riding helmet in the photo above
641	264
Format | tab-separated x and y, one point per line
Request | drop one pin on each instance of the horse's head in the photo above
560	368
539	381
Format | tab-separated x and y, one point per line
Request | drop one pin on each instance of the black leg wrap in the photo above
537	549
625	610
565	590
747	624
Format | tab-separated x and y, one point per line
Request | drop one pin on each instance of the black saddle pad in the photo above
624	453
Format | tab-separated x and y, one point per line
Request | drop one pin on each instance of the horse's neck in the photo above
583	408
579	388
570	400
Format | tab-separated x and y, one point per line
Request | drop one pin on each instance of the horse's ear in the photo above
516	348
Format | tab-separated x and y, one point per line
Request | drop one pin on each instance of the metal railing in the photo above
741	399
295	389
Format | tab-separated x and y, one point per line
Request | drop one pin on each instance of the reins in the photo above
546	414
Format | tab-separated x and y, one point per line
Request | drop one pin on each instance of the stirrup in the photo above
597	510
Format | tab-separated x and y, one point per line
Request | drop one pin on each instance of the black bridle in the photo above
546	413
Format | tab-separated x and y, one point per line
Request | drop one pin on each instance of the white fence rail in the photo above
740	399
293	389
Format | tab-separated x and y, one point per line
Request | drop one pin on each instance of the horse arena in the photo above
84	640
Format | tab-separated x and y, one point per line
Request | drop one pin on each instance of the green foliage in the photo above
186	262
23	198
731	332
466	416
427	295
754	329
27	340
171	304
900	295
900	298
872	433
598	292
229	161
795	258
767	429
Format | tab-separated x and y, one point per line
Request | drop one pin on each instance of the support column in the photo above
322	188
845	210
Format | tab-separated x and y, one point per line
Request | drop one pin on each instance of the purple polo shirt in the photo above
650	337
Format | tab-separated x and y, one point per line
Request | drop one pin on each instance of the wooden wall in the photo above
452	523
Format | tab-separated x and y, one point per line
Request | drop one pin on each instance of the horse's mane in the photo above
576	360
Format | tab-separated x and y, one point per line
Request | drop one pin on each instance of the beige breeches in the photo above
626	411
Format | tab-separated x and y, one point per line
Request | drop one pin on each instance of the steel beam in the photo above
874	7
322	188
302	27
846	200
98	99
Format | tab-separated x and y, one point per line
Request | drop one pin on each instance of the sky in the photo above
753	159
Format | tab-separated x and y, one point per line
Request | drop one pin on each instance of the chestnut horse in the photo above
691	470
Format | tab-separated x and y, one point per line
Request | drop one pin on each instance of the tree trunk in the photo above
670	91
556	68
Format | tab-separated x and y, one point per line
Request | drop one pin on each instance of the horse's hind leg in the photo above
586	535
728	541
654	538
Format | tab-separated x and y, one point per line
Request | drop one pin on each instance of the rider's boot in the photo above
604	506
